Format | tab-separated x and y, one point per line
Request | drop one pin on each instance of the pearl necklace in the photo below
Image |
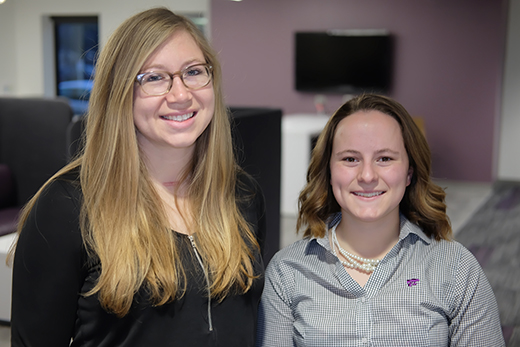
353	261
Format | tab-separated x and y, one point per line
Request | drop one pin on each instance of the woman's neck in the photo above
368	239
167	166
166	169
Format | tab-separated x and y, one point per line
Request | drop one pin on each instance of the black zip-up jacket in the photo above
52	270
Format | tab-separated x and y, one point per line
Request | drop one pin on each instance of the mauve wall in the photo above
448	64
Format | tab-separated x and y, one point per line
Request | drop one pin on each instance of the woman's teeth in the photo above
179	118
368	195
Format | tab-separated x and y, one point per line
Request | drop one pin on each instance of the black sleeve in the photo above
48	270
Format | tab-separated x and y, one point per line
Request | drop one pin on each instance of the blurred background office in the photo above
455	65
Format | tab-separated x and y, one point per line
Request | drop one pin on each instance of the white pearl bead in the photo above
352	261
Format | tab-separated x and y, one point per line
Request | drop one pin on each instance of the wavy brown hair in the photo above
423	202
123	221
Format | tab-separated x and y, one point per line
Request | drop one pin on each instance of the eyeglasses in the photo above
155	83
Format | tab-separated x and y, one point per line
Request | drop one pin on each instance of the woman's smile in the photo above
179	118
368	194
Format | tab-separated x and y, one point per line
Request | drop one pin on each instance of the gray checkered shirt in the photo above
423	293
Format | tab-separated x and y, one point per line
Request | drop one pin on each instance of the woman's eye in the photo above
385	159
349	159
193	71
154	77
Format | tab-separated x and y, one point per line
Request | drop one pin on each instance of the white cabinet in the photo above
298	130
5	277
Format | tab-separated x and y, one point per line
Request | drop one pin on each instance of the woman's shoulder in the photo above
54	216
246	184
71	175
449	248
60	198
249	193
293	262
295	253
63	185
450	259
427	247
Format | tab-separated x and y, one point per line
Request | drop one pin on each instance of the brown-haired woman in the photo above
151	236
377	265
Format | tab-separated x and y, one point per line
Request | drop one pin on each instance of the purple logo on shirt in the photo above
412	282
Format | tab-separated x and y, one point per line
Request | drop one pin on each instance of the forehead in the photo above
369	129
178	47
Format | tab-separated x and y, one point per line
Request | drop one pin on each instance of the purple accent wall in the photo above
448	64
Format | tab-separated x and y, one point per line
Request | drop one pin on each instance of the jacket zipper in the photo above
207	280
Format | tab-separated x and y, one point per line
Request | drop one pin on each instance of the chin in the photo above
370	216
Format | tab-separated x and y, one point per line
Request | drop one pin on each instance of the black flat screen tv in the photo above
343	61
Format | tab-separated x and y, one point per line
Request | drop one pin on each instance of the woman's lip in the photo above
179	117
369	194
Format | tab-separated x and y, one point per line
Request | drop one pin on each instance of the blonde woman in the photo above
152	236
377	265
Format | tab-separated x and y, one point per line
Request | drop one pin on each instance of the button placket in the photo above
365	320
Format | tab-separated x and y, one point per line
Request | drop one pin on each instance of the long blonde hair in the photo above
423	201
123	221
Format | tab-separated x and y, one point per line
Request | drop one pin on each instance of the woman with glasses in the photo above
377	265
152	236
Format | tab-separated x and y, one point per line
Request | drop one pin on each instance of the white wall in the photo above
509	137
7	47
26	58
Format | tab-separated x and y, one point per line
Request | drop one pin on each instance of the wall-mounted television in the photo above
343	61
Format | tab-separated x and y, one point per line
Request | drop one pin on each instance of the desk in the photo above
297	133
5	277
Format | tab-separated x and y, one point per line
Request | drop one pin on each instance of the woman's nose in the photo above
367	173
178	92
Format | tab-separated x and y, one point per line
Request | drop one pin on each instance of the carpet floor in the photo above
492	234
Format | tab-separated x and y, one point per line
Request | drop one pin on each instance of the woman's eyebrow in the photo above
348	151
386	150
163	68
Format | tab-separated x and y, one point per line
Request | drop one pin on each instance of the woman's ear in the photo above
409	177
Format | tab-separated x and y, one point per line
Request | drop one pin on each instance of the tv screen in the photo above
343	61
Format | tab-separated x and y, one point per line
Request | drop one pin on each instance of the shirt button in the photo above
364	341
363	299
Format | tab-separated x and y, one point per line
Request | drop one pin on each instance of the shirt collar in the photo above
406	228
